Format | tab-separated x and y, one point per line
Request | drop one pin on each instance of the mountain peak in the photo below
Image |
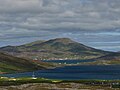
68	39
62	40
55	48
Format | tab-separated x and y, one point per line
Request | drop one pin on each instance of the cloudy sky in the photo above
92	22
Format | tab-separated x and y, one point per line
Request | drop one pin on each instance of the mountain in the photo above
59	48
9	64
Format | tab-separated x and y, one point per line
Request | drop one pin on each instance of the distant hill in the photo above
59	48
113	56
109	59
9	64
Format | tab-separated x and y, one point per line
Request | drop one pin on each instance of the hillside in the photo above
9	64
60	48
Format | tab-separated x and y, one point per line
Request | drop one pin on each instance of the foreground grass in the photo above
42	83
56	86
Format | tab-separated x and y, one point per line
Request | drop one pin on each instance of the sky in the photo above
95	23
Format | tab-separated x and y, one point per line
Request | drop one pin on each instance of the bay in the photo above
109	72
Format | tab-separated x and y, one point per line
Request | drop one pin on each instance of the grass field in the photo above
51	84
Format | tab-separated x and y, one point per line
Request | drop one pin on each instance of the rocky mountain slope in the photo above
59	48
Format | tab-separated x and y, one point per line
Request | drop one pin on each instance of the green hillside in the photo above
9	64
63	48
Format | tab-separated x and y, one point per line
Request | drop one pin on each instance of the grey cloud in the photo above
50	14
47	19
